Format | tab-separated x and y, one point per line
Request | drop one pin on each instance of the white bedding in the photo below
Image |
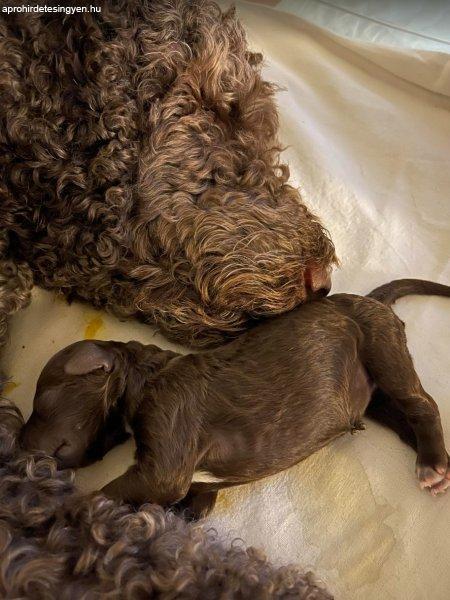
368	129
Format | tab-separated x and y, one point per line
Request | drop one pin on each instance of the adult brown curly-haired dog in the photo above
55	543
140	168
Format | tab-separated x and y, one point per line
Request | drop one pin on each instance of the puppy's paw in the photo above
435	478
113	490
195	506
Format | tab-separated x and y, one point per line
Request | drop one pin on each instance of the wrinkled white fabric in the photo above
368	130
399	23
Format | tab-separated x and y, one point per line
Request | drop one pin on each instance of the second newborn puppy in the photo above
252	408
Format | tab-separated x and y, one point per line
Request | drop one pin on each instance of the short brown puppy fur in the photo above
252	408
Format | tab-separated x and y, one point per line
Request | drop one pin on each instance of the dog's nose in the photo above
323	291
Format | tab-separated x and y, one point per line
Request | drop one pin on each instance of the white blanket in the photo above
368	130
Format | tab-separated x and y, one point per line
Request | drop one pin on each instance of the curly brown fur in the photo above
140	168
16	282
55	543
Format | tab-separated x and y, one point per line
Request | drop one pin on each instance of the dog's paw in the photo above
435	478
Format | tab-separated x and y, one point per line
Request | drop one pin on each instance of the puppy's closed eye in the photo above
45	403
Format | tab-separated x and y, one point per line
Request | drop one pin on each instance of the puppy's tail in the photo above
390	292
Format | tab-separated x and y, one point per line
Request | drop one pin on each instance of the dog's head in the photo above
75	409
247	260
78	408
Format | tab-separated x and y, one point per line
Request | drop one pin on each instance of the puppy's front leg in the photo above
197	505
166	432
141	484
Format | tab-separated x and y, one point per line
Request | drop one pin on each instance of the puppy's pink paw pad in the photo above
427	476
441	487
435	478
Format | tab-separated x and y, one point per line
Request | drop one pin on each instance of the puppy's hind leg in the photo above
390	365
382	410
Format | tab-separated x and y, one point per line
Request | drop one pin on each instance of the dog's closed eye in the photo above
46	404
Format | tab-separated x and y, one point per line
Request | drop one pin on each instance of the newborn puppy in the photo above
246	410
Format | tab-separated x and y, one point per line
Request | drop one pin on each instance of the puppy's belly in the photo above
205	477
360	391
278	444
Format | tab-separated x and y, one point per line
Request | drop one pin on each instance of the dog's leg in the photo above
196	504
389	363
201	499
384	411
141	483
166	452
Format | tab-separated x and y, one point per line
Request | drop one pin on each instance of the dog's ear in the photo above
89	357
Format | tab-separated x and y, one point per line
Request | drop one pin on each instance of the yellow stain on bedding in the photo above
10	386
225	502
94	325
341	499
229	499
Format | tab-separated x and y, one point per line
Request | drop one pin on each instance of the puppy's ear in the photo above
89	357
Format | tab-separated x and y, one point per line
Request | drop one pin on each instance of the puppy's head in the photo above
77	415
